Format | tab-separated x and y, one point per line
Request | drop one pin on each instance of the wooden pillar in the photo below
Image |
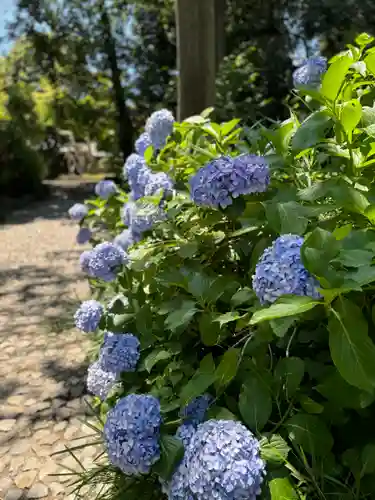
196	53
220	17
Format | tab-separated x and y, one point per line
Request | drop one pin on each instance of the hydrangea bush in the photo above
233	277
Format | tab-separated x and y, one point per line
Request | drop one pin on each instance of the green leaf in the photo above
342	232
354	258
220	413
188	249
227	369
309	405
243	296
364	39
281	326
255	404
122	319
227	127
203	378
285	218
182	316
352	459
149	153
348	197
208	329
274	450
309	432
368	459
343	395
172	451
156	356
334	76
228	317
286	306
318	249
351	114
289	372
370	63
312	130
281	489
352	350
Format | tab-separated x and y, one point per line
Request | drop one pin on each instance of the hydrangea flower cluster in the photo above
120	353
221	462
137	174
195	411
159	127
124	239
280	271
88	316
100	381
78	212
309	74
221	180
142	143
83	235
141	217
131	433
159	183
185	432
105	188
103	261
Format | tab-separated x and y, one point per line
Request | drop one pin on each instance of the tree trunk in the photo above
197	60
124	123
220	6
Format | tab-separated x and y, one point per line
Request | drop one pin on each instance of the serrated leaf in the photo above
274	450
281	489
182	316
209	329
255	404
203	378
309	432
243	296
227	369
351	114
334	76
228	317
352	350
311	131
289	373
171	453
156	356
286	306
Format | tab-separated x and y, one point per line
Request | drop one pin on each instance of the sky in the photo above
7	11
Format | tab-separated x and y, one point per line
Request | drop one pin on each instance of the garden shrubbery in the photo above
233	292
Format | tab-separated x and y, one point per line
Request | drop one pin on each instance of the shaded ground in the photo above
42	357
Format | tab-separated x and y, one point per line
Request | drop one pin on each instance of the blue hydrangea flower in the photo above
185	432
100	382
105	188
222	462
88	316
142	143
124	239
141	217
131	433
159	183
309	74
137	174
83	235
84	261
280	271
159	127
195	411
78	212
221	180
120	353
106	259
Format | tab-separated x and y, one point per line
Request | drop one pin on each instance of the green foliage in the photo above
299	372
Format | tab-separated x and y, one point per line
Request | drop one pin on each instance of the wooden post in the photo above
220	31
196	54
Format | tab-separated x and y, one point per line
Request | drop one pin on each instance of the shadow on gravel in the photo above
62	194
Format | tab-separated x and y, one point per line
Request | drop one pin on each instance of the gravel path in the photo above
42	357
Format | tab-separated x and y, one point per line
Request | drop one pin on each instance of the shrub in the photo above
254	307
